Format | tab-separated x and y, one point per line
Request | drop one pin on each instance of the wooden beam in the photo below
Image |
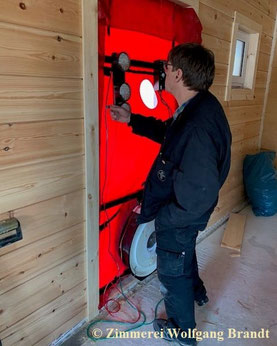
228	90
90	77
233	235
268	82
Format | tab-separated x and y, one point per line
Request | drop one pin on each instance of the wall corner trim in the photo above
91	124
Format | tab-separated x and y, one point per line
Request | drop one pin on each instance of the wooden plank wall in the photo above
269	129
42	277
244	116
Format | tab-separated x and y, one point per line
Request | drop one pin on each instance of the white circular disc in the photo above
143	259
147	94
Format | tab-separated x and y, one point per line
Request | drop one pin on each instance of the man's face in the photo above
170	77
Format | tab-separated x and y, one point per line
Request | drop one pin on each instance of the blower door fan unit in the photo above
138	247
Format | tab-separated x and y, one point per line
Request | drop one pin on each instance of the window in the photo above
243	58
240	59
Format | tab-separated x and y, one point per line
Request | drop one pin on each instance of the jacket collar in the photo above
193	103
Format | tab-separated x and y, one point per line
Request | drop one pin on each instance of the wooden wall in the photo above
244	116
42	277
42	174
269	128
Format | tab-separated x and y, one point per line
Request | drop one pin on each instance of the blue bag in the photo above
261	183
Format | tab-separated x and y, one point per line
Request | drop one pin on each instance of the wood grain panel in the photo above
65	327
228	7
234	179
240	115
215	23
32	52
271	122
233	235
26	143
219	213
261	79
219	47
25	299
251	145
240	148
262	5
246	130
34	183
266	42
235	176
239	151
226	203
29	261
37	99
263	62
234	194
269	139
219	92
220	74
91	93
273	8
60	16
37	326
271	119
271	110
42	219
258	99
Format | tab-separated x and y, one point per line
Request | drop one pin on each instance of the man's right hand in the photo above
120	114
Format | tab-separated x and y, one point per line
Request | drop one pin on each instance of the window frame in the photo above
238	88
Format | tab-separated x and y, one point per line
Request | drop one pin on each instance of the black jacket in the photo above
194	160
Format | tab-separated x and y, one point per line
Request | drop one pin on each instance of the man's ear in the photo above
179	75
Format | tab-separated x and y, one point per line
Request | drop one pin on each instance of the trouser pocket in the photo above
175	264
170	263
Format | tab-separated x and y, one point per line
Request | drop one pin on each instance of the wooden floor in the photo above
242	292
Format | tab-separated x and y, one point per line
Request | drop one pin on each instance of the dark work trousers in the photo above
178	272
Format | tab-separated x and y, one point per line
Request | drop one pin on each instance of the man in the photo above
181	190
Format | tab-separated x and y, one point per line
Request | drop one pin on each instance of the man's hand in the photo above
120	114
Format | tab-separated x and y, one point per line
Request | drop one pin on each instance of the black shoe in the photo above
161	325
202	301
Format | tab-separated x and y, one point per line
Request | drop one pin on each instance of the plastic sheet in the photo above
261	183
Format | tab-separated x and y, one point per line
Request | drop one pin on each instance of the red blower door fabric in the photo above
146	30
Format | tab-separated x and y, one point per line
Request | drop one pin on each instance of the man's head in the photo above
191	65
